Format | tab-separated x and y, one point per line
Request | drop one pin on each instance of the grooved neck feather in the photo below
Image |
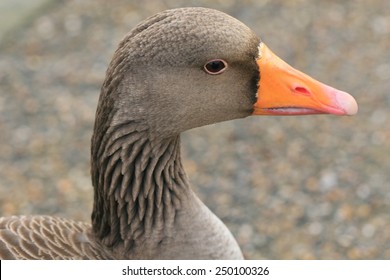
137	185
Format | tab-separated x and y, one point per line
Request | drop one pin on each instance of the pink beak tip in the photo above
346	102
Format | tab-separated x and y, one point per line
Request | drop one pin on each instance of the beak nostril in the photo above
302	90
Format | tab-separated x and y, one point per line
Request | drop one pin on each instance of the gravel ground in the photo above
289	188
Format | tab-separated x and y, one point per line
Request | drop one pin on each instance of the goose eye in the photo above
215	66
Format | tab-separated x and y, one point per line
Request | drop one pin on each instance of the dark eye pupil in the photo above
215	66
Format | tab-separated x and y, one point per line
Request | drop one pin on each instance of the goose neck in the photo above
138	185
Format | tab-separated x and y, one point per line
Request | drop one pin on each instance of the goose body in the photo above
177	70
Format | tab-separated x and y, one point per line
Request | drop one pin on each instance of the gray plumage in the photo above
155	88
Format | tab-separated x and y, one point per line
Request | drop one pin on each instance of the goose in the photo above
179	69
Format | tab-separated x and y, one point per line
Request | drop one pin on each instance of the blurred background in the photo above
287	187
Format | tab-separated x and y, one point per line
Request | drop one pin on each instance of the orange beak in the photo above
284	90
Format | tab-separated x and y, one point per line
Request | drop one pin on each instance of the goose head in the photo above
190	67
